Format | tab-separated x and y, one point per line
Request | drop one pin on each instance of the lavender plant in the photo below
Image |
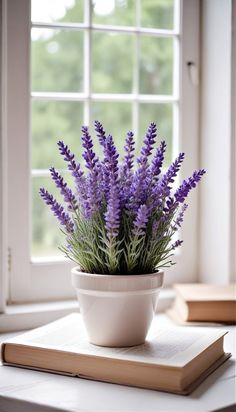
121	219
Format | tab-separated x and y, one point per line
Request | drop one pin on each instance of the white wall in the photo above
216	254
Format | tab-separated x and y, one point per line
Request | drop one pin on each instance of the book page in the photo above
174	346
204	292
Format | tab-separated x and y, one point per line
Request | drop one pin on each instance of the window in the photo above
121	62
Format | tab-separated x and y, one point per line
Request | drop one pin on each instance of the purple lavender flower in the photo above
58	210
91	161
101	134
88	155
183	191
149	142
78	175
111	195
111	156
162	190
69	157
126	168
93	192
177	244
67	194
110	164
179	220
141	179
129	148
73	167
171	173
112	215
141	220
158	159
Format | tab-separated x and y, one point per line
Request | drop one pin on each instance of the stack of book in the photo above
204	303
176	359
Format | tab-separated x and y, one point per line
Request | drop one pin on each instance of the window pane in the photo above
47	11
116	119
162	115
46	234
114	12
53	121
112	62
157	14
57	60
156	65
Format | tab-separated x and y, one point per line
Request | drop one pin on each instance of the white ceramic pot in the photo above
117	310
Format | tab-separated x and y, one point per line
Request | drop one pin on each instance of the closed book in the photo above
174	359
204	303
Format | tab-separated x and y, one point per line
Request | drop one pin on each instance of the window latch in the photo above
193	73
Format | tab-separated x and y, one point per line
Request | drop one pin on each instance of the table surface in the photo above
24	390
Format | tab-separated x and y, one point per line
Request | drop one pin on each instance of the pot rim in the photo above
76	271
85	282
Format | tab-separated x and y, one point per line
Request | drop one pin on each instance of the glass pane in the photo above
46	234
112	62
157	13
162	115
57	60
156	65
114	12
53	121
48	11
116	119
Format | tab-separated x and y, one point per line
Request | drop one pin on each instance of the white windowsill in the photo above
32	315
25	390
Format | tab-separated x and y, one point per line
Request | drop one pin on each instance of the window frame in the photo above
30	281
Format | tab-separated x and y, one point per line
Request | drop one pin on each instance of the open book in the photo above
174	360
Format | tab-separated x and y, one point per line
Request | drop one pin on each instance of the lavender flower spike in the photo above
149	141
112	215
141	220
129	148
126	168
140	180
158	159
77	173
67	194
88	155
162	190
171	174
58	210
73	167
110	164
101	134
183	191
177	244
179	220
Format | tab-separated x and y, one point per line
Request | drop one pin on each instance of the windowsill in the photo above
32	315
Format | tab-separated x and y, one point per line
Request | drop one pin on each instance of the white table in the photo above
23	390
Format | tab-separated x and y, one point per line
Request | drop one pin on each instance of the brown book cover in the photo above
173	360
204	303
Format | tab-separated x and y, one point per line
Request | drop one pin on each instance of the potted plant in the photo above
119	227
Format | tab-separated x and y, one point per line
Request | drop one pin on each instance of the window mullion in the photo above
87	62
135	106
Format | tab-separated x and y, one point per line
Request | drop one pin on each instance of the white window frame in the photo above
217	242
35	281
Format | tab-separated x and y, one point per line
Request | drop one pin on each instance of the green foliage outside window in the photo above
57	66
